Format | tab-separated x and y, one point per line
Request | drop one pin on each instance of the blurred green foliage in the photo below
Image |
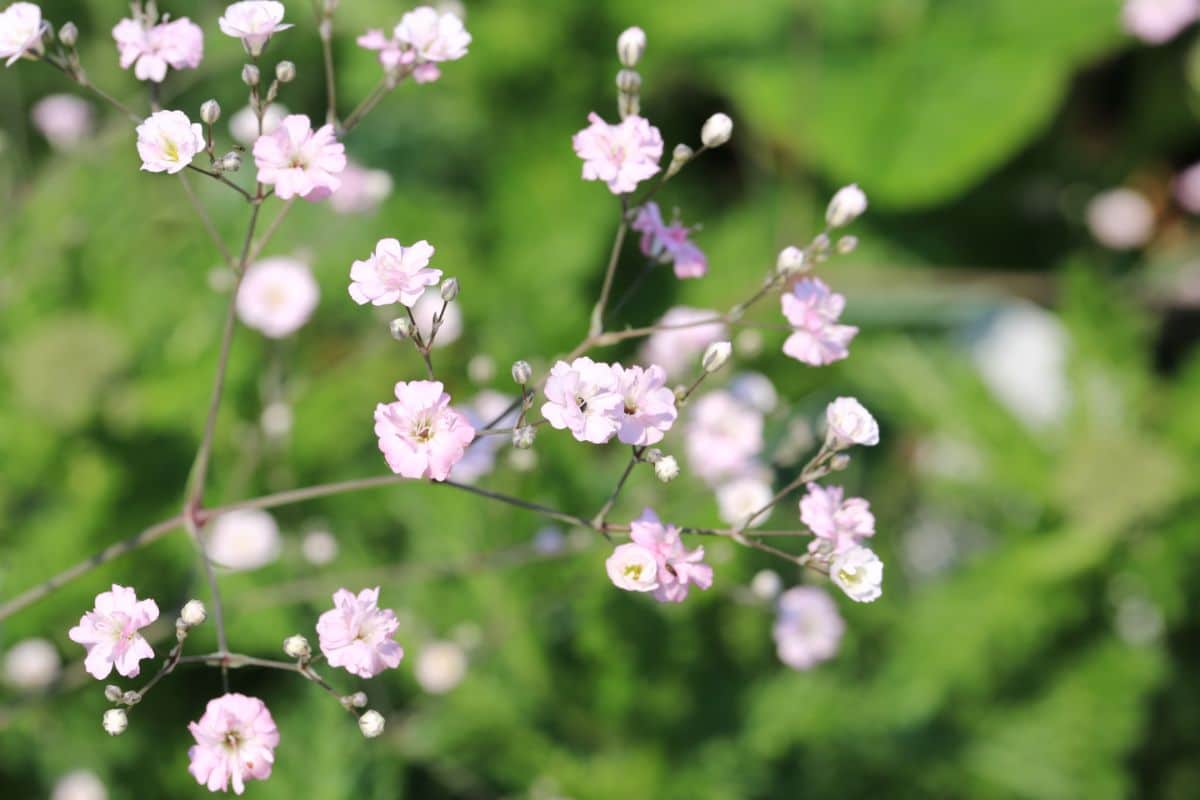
1006	674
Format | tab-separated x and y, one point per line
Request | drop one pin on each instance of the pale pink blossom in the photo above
859	573
394	273
633	568
357	635
648	411
678	342
424	38
21	31
723	436
64	119
168	141
151	49
1120	219
420	435
813	311
583	397
235	742
277	296
621	155
849	423
298	161
839	523
808	628
740	500
440	667
110	635
677	567
1187	188
362	190
254	22
1157	21
669	243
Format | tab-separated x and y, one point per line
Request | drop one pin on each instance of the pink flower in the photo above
669	243
621	155
254	22
393	274
649	404
1187	188
583	398
678	342
110	635
420	435
813	310
178	44
849	423
633	568
356	634
723	436
1156	21
235	741
808	628
678	567
64	119
839	524
299	162
277	296
362	190
423	39
21	31
168	141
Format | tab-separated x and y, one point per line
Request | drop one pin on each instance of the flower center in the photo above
423	429
633	571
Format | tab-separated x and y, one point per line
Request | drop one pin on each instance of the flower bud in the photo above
131	698
681	155
371	723
715	356
839	462
231	161
717	130
357	700
115	721
846	206
210	112
193	613
68	34
666	469
523	437
791	261
847	244
401	328
297	647
629	82
450	289
631	44
766	584
522	373
652	455
285	72
628	105
820	244
113	694
250	75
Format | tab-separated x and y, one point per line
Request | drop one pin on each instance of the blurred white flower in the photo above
440	666
741	497
243	539
1120	219
32	665
755	390
319	547
79	785
64	119
1022	358
424	311
243	125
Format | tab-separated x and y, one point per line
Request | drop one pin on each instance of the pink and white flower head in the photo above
669	243
1157	21
110	635
583	397
420	435
362	190
235	742
677	567
678	342
808	628
621	155
633	568
813	311
168	141
243	125
838	523
21	31
357	635
648	409
298	161
277	296
150	50
723	436
254	22
394	273
424	38
859	573
848	423
64	119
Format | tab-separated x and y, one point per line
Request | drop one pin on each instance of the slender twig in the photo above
596	326
222	179
369	102
257	248
602	514
206	220
325	31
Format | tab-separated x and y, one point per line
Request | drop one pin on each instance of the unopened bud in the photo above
357	700
131	698
667	469
68	34
210	112
521	372
193	613
820	243
325	29
115	721
297	647
628	105
285	72
839	462
250	75
523	437
681	155
371	723
113	694
629	82
717	130
847	244
846	206
230	162
652	455
715	356
631	44
791	261
401	328
450	289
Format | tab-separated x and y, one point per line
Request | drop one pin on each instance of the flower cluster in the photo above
151	47
423	39
657	561
596	401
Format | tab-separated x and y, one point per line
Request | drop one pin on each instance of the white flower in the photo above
168	141
424	310
808	629
243	125
633	568
666	469
716	131
243	539
440	667
847	205
64	119
1120	219
859	573
277	296
32	665
21	30
253	21
193	613
79	784
1022	358
630	46
297	647
765	584
740	498
371	723
115	721
755	390
715	356
319	547
849	423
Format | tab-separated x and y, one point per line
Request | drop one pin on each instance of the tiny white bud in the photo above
847	205
652	456
847	244
666	469
193	613
358	699
631	44
210	112
131	698
681	155
717	130
766	584
629	82
231	162
820	243
250	75
521	372
791	261
523	437
297	647
285	72
401	328
715	356
839	462
68	34
115	721
113	694
371	723
450	289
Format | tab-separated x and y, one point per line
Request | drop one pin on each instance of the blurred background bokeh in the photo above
1027	285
